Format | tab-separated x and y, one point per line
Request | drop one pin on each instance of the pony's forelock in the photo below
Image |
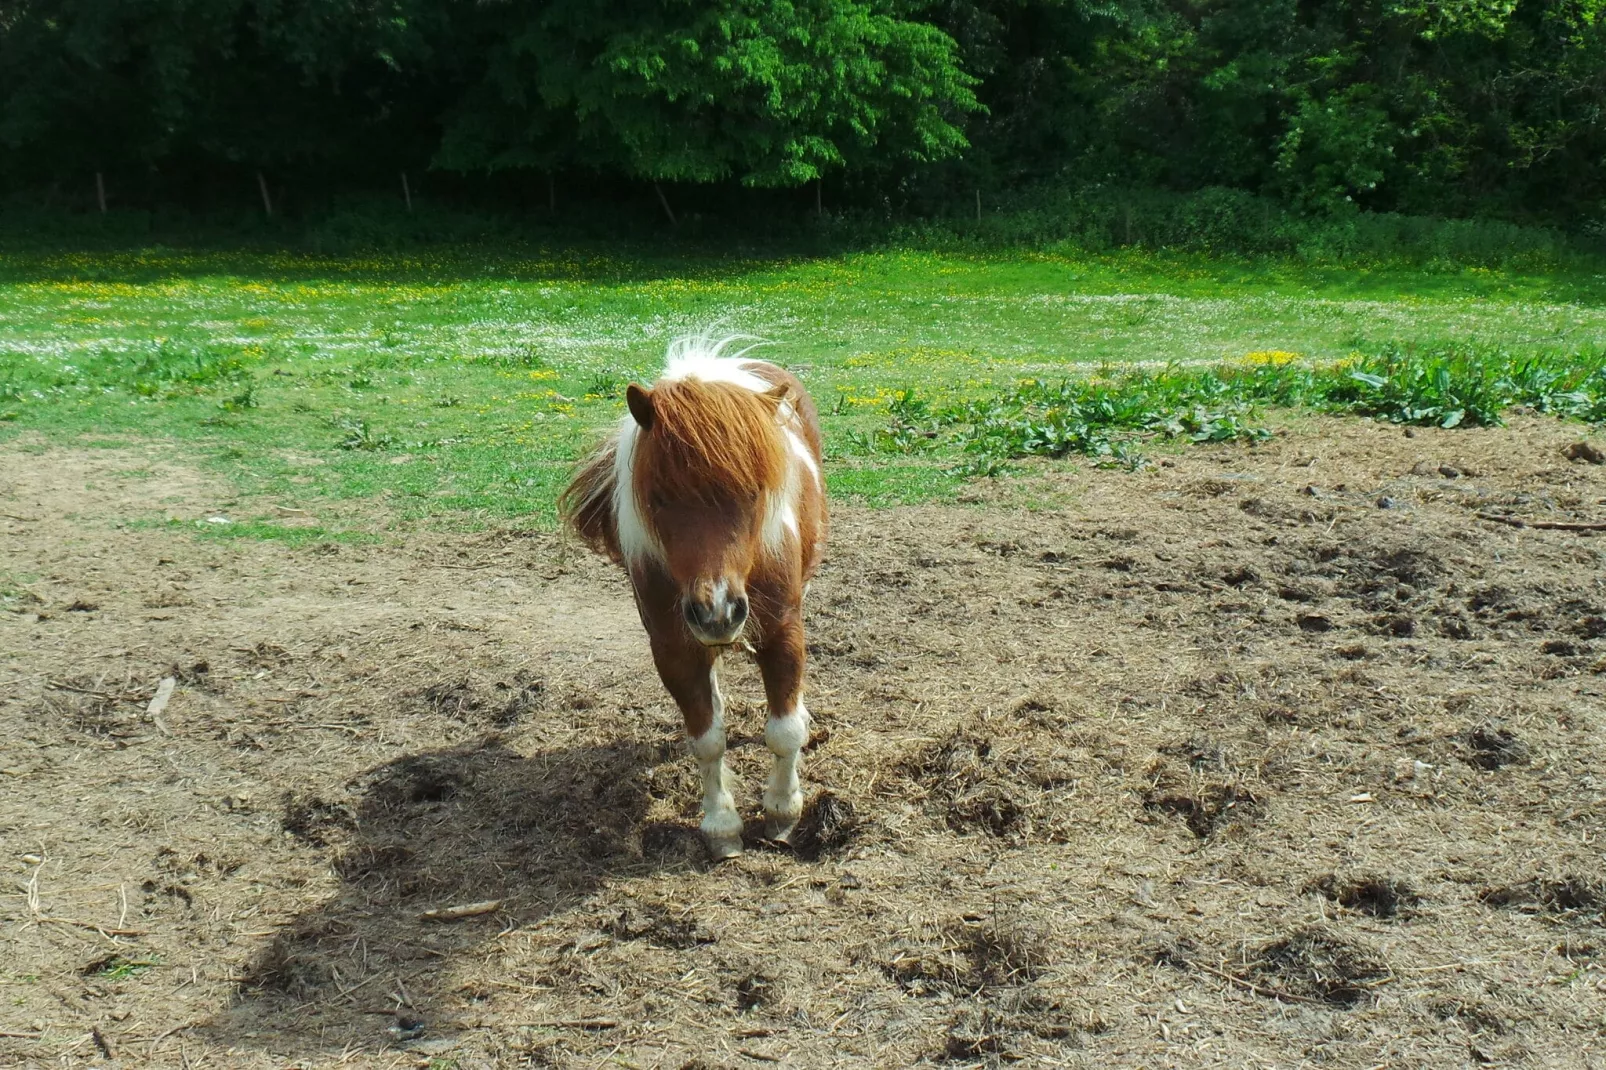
711	438
719	430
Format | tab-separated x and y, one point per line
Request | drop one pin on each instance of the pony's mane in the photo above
586	504
710	438
714	434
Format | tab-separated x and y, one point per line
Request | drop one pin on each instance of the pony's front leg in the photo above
687	670
780	660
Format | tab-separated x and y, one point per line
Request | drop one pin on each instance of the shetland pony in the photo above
709	494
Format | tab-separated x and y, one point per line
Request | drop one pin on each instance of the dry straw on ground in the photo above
1217	763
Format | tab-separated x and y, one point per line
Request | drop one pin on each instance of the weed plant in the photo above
1108	417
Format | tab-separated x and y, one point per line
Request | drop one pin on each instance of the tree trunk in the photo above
407	193
267	202
668	211
100	191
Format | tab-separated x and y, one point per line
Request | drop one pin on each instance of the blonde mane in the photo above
715	435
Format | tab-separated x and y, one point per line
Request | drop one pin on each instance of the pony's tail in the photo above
586	504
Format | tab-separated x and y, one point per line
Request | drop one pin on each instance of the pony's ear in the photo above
639	398
777	393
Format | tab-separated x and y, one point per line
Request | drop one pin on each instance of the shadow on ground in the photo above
435	830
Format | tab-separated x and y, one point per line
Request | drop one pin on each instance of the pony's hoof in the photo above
780	829
723	847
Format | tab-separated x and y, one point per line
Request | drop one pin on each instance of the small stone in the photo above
31	859
1449	471
1386	502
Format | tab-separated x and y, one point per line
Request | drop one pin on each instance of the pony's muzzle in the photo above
716	621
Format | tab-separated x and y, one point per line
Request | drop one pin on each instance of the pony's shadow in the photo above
432	831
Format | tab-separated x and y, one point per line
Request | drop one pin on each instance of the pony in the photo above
709	494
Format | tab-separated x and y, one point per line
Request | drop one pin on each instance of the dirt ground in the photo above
1268	756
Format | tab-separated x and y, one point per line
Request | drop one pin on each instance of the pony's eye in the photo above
656	501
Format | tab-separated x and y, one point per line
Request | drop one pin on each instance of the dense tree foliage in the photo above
1460	106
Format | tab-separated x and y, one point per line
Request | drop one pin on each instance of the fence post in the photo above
100	191
407	193
267	202
668	211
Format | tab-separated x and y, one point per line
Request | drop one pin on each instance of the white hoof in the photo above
723	834
723	846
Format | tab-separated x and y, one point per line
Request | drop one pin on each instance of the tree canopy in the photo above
1459	106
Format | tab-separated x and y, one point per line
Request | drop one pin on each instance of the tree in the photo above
770	93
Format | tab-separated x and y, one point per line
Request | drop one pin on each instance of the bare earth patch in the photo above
1266	756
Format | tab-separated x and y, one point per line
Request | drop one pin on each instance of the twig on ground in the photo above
569	1023
43	918
123	696
1552	525
1269	993
464	910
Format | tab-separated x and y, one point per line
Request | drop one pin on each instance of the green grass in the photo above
118	968
459	384
1109	417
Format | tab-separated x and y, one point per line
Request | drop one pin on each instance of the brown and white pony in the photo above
710	495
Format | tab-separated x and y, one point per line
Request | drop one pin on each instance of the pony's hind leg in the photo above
780	660
688	672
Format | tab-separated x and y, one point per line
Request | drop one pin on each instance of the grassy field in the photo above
1271	756
462	383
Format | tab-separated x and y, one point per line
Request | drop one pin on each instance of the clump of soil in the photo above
1003	784
1208	809
1567	895
502	704
418	781
315	820
829	823
1009	1027
1381	897
1493	746
657	925
1316	963
756	990
968	954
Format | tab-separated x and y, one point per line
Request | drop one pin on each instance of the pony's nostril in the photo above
739	611
695	615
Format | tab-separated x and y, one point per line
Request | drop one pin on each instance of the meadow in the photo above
1174	703
462	382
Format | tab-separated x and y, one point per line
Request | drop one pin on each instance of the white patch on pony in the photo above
636	540
780	514
801	452
701	356
722	825
786	737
